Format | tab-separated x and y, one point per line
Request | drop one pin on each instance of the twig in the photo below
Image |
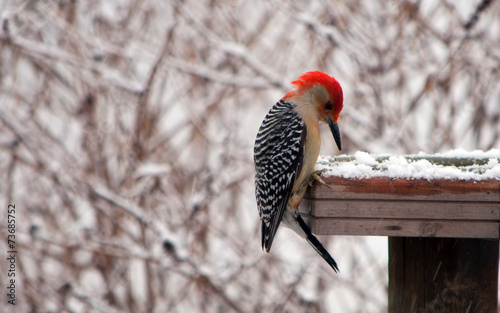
128	207
477	13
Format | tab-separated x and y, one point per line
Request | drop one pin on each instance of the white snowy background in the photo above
127	129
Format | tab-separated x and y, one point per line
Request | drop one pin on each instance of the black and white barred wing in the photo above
278	155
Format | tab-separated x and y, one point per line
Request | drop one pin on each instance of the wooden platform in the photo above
443	233
383	206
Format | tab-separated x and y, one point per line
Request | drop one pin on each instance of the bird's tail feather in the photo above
314	242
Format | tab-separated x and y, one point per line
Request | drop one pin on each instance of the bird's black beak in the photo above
335	132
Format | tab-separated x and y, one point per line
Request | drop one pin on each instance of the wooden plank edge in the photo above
403	228
398	188
401	209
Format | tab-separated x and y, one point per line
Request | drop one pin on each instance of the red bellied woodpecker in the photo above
286	151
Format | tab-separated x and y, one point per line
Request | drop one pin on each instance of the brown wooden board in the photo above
447	210
384	206
386	188
402	227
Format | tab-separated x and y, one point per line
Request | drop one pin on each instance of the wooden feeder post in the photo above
443	236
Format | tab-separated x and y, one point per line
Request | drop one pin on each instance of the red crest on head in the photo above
309	79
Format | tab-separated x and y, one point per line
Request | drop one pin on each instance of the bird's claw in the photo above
315	176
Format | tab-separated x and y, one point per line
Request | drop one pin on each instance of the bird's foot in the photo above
316	176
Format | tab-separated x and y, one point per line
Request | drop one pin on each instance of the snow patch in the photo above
152	169
456	164
365	158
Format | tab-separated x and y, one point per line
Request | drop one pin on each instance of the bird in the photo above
286	151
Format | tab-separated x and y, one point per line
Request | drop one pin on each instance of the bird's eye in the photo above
328	106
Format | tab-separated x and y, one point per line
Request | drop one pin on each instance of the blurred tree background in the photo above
127	132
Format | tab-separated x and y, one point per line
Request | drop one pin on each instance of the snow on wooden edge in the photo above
475	165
